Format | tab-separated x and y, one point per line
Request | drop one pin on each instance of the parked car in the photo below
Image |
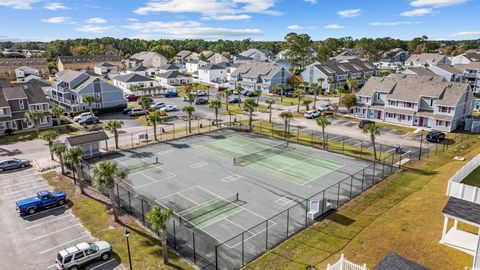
200	101
81	116
312	114
221	88
249	94
234	100
13	163
158	105
169	108
323	108
132	97
127	110
364	123
43	200
435	136
137	112
199	93
82	254
8	131
171	93
89	120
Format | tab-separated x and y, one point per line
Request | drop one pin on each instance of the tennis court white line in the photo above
157	181
202	227
169	195
180	194
202	143
241	227
254	234
284	201
333	138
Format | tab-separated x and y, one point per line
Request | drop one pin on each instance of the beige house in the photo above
147	59
86	62
9	65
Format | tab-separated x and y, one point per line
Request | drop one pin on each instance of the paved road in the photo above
32	242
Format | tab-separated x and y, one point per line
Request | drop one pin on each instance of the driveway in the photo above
32	242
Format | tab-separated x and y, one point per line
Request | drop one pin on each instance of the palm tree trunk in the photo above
372	138
115	136
239	99
189	124
58	120
285	132
323	137
281	95
250	120
80	177
155	131
163	240
258	99
62	164
208	93
37	128
113	203
216	117
298	105
91	110
50	145
270	115
226	102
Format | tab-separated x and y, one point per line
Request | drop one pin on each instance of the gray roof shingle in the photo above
132	77
87	138
88	59
395	262
465	210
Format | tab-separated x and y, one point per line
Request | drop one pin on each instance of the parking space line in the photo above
100	265
74	240
26	182
22	190
48	234
23	176
55	219
51	266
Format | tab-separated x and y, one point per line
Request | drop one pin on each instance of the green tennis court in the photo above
211	211
283	162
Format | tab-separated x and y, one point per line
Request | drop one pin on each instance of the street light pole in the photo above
127	235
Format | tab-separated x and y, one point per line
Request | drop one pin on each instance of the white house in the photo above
414	100
25	74
212	73
193	66
466	58
448	72
471	74
262	76
125	82
257	54
167	68
174	77
142	70
427	59
105	68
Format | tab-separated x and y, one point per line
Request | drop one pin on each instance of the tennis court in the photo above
225	183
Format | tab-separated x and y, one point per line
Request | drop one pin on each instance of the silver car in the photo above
73	258
13	163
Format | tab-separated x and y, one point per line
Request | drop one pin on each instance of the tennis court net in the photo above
207	210
260	155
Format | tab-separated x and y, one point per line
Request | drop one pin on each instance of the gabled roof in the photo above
104	64
23	61
183	53
395	262
27	69
172	74
132	77
472	56
69	75
449	68
462	209
88	59
420	71
138	68
14	92
471	66
87	138
213	67
255	68
169	67
425	57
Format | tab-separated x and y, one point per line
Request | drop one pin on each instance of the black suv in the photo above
435	136
364	123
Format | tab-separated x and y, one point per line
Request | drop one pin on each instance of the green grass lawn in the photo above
146	250
30	135
401	214
473	179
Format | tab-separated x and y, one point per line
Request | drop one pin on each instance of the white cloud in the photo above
294	27
95	29
189	29
56	20
417	12
132	19
227	17
55	6
334	26
466	33
436	3
18	4
209	7
348	13
96	20
311	1
393	23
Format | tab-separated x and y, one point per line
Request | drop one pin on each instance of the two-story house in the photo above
414	100
185	56
174	78
262	76
167	68
427	59
142	70
212	73
147	59
257	54
25	74
18	99
105	69
86	62
336	74
193	66
471	74
392	59
128	81
466	58
71	86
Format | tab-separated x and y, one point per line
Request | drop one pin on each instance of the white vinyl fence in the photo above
461	191
344	264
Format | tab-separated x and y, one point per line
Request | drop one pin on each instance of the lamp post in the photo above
127	235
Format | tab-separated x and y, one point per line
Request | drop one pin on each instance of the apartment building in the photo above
262	76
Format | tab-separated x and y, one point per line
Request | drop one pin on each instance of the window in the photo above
68	259
79	255
22	106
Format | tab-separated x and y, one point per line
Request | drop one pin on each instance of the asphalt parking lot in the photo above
32	242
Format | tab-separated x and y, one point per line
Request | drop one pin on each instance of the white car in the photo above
325	107
169	108
158	105
199	93
81	116
73	258
312	114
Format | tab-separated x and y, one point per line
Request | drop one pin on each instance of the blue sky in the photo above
238	19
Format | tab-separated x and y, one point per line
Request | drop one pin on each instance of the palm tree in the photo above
35	117
299	94
57	112
60	149
113	126
134	87
335	107
104	177
258	93
373	130
352	84
189	111
144	102
239	94
191	97
195	85
270	102
281	86
74	155
306	102
50	136
215	105
153	119
286	117
314	88
158	221
330	81
320	83
249	105
208	92
89	100
227	93
323	122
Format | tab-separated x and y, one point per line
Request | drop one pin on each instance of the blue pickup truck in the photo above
44	199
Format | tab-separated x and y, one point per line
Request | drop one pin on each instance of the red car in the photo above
132	97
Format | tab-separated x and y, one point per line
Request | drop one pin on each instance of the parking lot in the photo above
32	242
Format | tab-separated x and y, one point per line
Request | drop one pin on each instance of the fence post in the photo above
193	246
266	235
351	186
383	167
243	248
216	257
298	133
311	139
143	213
118	195
373	174
343	144
306	213
338	194
173	130
272	129
324	201
361	149
174	236
288	219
